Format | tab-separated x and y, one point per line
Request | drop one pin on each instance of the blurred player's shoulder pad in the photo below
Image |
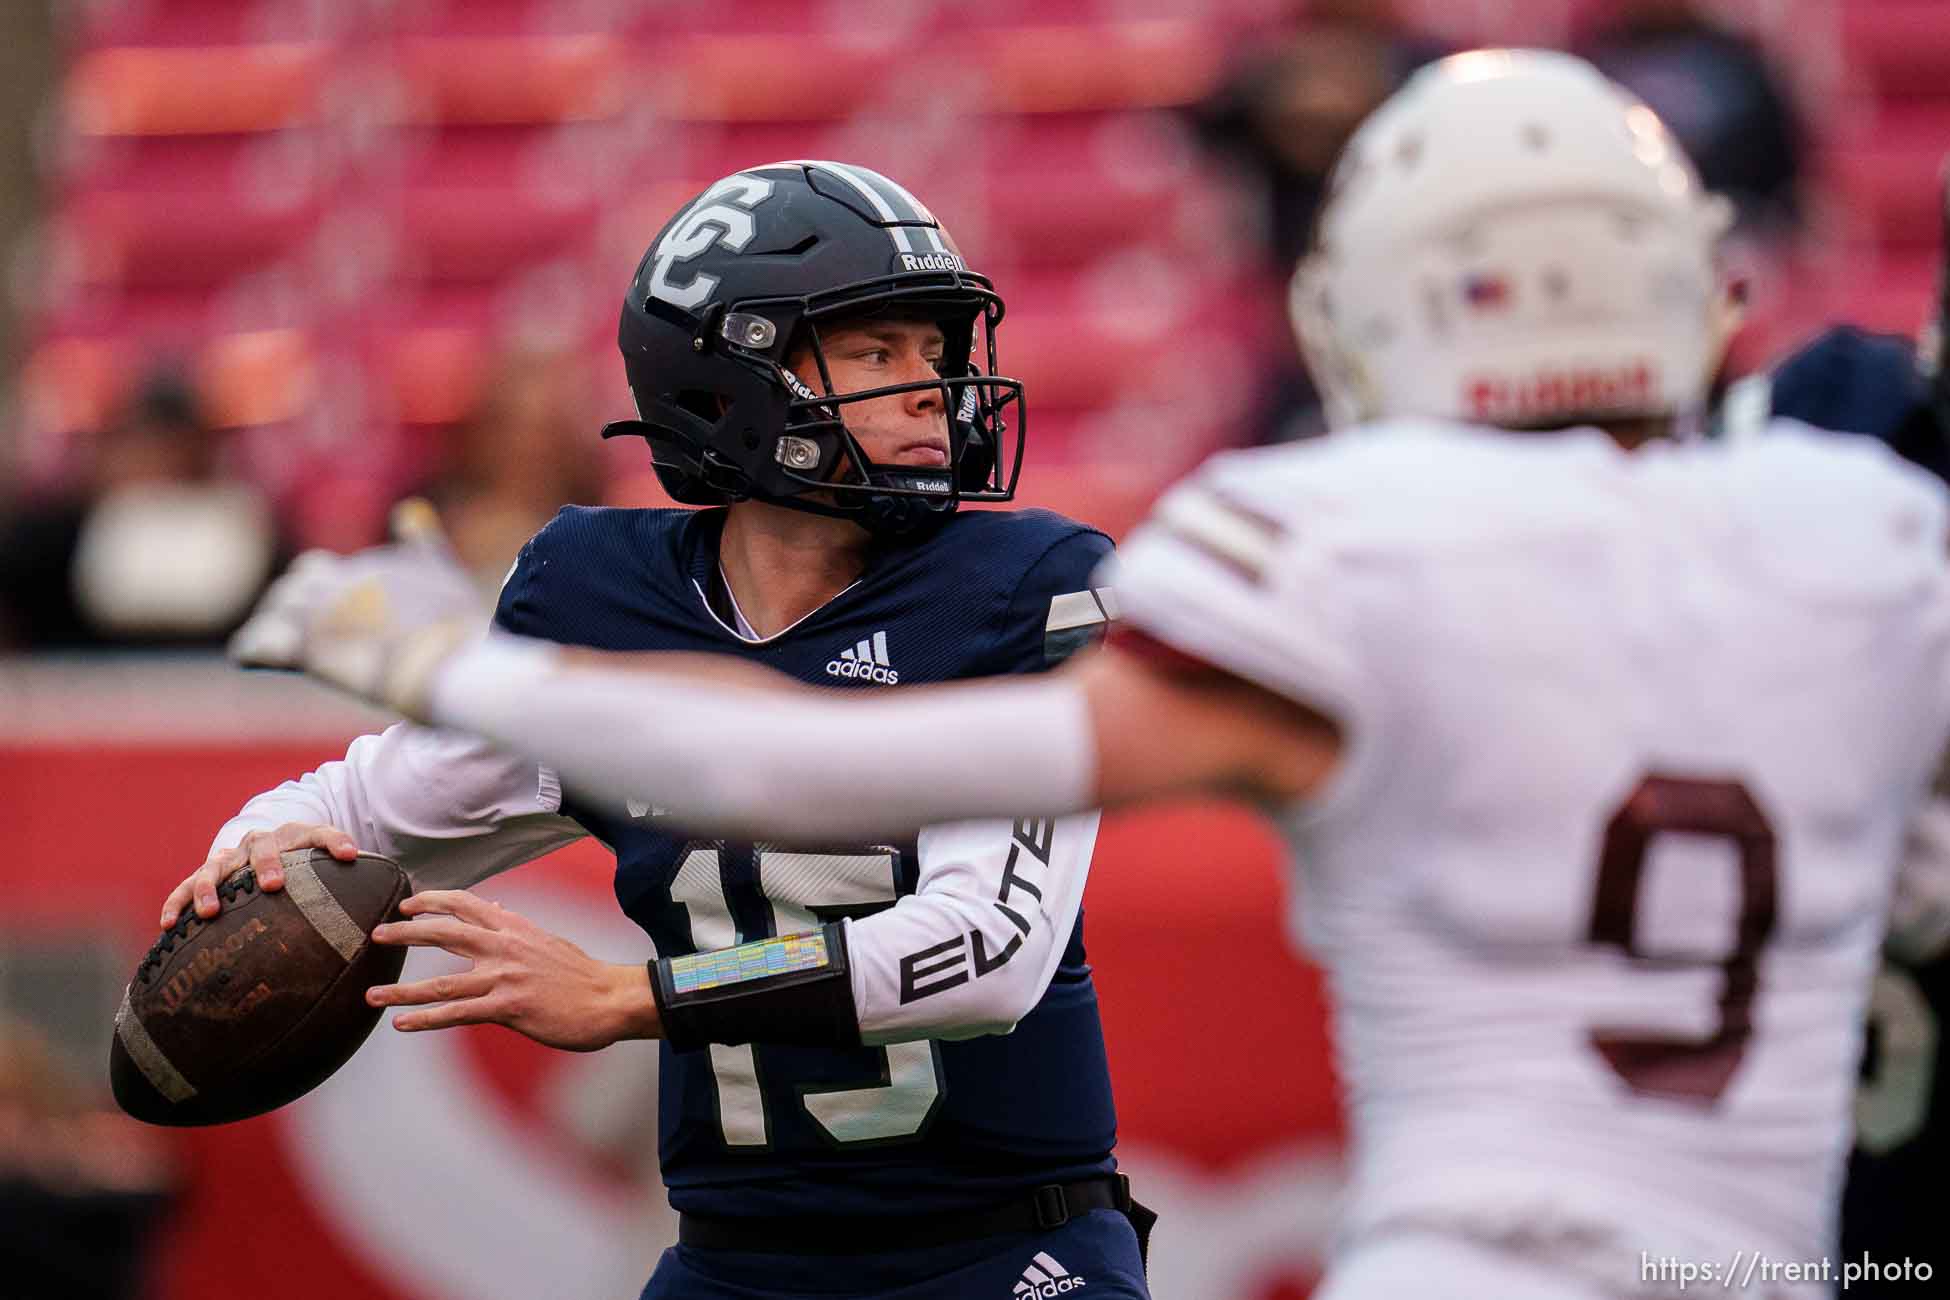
1416	484
1830	518
1842	518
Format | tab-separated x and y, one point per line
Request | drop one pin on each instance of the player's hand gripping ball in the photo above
235	1015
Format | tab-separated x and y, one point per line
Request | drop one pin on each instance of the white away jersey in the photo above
1631	743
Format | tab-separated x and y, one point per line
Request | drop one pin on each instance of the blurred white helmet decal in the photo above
1512	238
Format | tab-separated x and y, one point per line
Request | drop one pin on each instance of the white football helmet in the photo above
1513	239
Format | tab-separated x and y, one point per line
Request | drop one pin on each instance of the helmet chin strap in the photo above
881	514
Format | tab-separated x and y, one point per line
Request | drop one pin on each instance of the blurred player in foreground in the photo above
1596	747
1895	390
926	1108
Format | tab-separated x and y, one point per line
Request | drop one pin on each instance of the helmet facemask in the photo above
826	460
788	439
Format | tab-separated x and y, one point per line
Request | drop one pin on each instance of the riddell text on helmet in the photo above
932	262
1576	391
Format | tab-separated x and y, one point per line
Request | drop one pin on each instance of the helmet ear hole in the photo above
706	406
669	313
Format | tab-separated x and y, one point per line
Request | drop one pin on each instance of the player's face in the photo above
902	429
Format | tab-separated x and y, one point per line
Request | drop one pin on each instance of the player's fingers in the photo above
261	855
436	930
456	902
471	1011
173	905
301	835
190	890
203	884
442	988
335	842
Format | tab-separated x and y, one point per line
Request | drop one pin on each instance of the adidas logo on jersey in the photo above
1045	1279
867	660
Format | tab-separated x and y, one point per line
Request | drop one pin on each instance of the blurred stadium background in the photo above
271	264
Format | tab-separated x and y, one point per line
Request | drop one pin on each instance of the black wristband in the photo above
794	989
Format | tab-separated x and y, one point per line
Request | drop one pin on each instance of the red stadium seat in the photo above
475	235
1898	296
471	18
184	22
138	238
765	76
144	211
1902	45
1894	187
435	373
476	202
1121	65
262	377
71	385
1073	186
749	77
152	315
511	79
195	89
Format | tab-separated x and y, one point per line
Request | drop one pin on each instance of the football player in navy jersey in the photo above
1490	654
930	1112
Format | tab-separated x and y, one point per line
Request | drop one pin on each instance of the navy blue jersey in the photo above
765	1129
1852	381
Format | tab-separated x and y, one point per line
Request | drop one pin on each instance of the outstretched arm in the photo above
772	760
737	751
1119	726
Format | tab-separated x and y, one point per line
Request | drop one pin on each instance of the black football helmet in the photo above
750	271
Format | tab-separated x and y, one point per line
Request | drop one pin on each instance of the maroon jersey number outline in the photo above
1681	1069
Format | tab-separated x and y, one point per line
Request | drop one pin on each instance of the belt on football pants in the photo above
1048	1207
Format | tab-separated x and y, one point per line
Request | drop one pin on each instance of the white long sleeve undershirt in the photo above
448	806
759	764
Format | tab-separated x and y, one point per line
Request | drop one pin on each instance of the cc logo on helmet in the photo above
721	215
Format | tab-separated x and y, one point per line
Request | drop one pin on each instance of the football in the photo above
236	1015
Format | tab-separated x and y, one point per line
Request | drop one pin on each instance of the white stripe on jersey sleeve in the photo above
1079	609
